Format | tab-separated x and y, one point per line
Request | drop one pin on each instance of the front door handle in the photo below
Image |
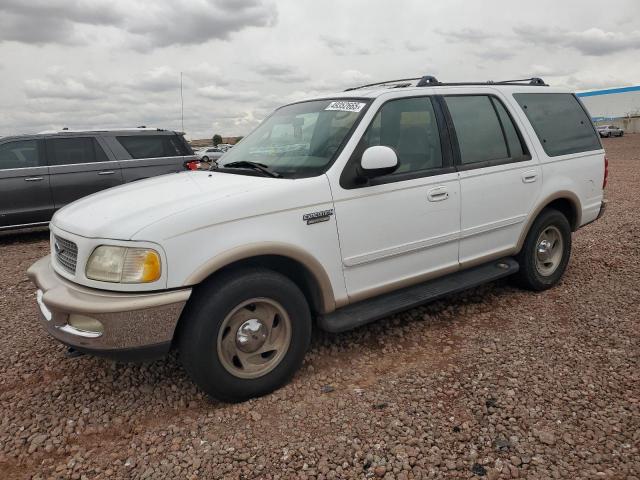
106	172
529	177
33	179
437	194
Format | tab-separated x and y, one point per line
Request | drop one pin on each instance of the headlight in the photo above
124	265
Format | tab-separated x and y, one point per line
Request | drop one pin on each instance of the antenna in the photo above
181	103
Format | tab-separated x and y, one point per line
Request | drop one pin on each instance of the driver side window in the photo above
409	126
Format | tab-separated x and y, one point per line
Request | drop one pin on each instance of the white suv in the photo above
334	212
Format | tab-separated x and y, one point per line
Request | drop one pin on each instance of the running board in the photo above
366	311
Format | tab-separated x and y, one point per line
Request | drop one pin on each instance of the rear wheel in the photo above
204	159
546	251
245	333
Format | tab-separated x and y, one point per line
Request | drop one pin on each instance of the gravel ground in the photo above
495	383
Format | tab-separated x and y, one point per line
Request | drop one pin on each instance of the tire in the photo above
542	270
621	134
224	324
204	159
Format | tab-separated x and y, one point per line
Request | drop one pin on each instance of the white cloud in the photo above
143	25
215	92
592	41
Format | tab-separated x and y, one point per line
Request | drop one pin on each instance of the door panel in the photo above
390	234
25	194
79	167
495	204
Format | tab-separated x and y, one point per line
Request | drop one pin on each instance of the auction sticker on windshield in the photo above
346	106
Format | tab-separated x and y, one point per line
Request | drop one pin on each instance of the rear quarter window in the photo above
153	146
560	122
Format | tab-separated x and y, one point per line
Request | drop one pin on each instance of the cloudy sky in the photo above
97	63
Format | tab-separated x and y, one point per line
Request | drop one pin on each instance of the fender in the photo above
561	195
245	252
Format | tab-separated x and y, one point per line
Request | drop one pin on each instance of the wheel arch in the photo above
293	262
565	202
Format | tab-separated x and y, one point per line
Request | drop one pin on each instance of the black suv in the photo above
41	173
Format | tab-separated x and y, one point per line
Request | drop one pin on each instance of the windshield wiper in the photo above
261	167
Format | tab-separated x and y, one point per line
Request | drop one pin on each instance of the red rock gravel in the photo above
495	383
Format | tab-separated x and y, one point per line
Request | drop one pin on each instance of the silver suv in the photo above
41	173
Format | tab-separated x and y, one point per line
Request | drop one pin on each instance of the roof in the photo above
98	130
609	91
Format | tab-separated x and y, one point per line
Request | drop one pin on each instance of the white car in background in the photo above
209	154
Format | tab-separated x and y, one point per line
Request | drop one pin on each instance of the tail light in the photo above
192	165
606	172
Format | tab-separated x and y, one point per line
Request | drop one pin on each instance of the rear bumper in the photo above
133	325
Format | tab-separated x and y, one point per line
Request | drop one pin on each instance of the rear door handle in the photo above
529	177
33	179
106	172
437	194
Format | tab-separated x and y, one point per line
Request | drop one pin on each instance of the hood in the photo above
120	212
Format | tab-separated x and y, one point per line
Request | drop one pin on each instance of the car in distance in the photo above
334	212
41	173
610	131
209	154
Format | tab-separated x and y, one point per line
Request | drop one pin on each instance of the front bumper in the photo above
134	325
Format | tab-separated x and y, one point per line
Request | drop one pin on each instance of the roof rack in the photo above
100	130
401	81
431	81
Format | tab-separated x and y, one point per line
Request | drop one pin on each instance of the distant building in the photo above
618	106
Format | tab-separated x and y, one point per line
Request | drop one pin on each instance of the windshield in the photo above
298	140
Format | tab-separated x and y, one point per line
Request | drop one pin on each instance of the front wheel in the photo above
244	334
204	159
546	251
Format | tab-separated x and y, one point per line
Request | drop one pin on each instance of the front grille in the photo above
66	253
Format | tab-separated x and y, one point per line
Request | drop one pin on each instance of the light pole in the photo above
181	103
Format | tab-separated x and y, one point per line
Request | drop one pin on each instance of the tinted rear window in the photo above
560	122
478	129
153	146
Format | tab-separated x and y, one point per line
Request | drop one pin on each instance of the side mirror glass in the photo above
378	160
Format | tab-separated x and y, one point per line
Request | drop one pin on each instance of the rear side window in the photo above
484	130
153	146
562	125
513	140
69	151
19	154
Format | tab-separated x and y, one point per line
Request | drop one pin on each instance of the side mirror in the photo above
378	160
